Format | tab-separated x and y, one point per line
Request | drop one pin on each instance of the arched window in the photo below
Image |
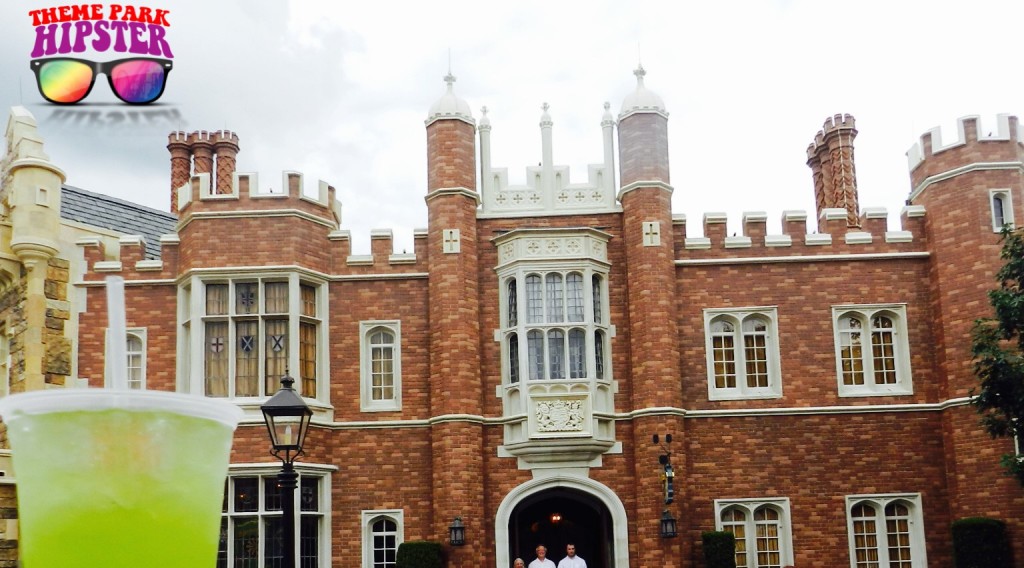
382	533
743	353
872	353
762	531
381	365
1002	209
136	350
886	531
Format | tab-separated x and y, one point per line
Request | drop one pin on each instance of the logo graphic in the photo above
126	29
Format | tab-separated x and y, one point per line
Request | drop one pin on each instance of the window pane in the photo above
216	299
246	298
309	494
574	296
597	298
534	300
309	541
556	353
277	297
307	359
308	300
513	358
222	544
599	353
271	494
276	357
998	215
216	359
723	352
755	344
382	378
273	542
513	303
246	494
535	354
134	353
555	298
882	351
850	349
577	354
385	543
246	542
247	358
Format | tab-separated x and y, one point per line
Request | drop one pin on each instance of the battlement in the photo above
548	189
969	132
245	194
834	237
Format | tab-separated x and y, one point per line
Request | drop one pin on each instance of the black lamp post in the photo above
287	417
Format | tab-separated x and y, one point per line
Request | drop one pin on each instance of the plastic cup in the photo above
117	478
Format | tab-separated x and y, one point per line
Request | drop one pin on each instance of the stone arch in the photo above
598	491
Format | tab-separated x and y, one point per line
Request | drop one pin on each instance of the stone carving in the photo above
560	416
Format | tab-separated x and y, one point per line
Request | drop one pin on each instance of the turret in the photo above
647	229
456	387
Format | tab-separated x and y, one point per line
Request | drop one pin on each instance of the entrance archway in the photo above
558	516
580	495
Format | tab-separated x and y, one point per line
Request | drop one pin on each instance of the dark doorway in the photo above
558	516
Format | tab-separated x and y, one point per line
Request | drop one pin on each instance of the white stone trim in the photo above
552	479
818	239
899	237
949	174
367	518
697	243
643	184
804	258
858	238
778	241
738	242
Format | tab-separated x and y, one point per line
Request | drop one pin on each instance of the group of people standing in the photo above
542	561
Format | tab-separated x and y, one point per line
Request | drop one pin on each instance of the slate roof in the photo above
117	215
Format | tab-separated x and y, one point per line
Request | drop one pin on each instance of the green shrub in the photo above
980	542
719	549
418	554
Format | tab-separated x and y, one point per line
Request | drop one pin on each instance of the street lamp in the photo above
287	417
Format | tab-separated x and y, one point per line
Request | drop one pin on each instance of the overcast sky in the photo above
339	91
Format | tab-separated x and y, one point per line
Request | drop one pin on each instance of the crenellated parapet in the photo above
834	236
975	146
548	189
128	258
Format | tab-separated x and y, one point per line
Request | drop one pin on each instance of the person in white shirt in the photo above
542	559
571	560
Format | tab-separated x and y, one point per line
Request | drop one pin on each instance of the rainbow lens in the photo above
139	81
64	81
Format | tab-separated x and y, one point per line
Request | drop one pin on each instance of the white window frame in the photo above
140	334
263	471
918	558
736	317
1007	201
368	517
901	350
366	328
192	325
749	506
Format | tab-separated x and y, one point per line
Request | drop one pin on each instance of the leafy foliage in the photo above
998	349
980	542
719	549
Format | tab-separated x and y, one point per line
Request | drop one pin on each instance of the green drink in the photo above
119	479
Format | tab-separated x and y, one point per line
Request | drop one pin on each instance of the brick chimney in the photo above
830	158
225	148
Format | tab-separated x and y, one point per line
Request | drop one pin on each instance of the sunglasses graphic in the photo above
136	81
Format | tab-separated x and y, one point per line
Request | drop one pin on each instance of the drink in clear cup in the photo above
119	478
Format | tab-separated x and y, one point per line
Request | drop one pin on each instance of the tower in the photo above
645	194
970	186
455	382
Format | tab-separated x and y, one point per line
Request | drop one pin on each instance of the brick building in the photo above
512	369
